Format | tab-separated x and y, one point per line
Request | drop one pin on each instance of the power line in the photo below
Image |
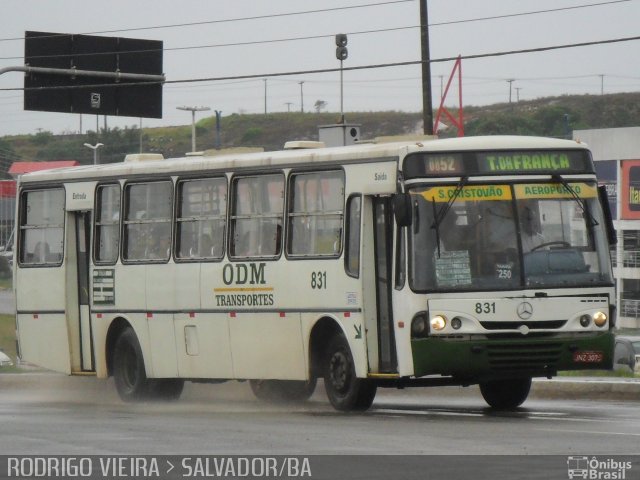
522	14
250	83
215	45
626	77
228	20
308	37
330	70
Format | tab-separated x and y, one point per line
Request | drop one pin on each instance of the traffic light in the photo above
341	42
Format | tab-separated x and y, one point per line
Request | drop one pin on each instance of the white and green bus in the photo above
445	262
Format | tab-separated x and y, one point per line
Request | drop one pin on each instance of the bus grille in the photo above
519	357
540	325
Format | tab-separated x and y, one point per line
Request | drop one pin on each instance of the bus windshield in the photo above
507	236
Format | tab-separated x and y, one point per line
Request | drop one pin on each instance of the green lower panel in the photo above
495	358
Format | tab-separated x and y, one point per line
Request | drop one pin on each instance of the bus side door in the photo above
377	252
81	243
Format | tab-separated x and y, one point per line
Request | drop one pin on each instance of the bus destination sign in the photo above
444	164
439	164
521	162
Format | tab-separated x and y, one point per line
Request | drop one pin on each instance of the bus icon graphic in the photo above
578	467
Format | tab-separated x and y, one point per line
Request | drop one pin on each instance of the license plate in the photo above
588	357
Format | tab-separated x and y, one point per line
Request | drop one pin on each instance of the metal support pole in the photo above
95	151
193	130
510	81
427	108
218	116
265	95
341	95
72	72
193	111
301	97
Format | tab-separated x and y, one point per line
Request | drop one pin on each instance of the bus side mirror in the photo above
402	209
604	202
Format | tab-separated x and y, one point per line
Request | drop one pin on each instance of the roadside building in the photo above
616	152
8	195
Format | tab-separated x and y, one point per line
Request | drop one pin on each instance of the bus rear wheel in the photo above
506	394
345	390
128	368
293	391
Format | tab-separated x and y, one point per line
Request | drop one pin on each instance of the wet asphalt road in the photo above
54	414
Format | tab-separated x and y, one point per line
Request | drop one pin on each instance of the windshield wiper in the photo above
438	216
592	222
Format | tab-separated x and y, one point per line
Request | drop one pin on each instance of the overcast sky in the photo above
452	32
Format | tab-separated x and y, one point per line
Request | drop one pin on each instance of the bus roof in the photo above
286	158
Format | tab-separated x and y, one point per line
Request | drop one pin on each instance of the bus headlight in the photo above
419	326
438	322
600	319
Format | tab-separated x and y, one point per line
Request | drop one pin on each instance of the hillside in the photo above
551	116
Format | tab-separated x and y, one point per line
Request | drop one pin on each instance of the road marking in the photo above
528	415
589	432
391	411
577	419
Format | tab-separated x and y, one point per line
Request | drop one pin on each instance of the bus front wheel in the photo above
283	390
345	390
506	394
128	368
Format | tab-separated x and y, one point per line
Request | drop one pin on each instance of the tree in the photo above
42	138
7	156
319	105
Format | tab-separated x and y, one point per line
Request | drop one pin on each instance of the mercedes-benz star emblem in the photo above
525	310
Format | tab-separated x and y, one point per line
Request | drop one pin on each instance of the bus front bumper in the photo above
485	359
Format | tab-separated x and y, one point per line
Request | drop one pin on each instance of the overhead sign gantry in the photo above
92	74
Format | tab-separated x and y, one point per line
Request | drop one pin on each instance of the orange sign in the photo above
630	192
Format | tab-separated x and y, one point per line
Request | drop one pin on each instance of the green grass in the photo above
8	335
7	329
6	283
8	340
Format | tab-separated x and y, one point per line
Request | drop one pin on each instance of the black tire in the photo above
128	368
506	394
283	391
165	389
345	391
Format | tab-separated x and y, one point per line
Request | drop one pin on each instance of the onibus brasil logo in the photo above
597	469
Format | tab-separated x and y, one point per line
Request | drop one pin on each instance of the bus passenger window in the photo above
256	216
41	227
316	214
201	218
352	252
147	221
107	226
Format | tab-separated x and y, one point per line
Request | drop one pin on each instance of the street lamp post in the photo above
95	151
193	111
